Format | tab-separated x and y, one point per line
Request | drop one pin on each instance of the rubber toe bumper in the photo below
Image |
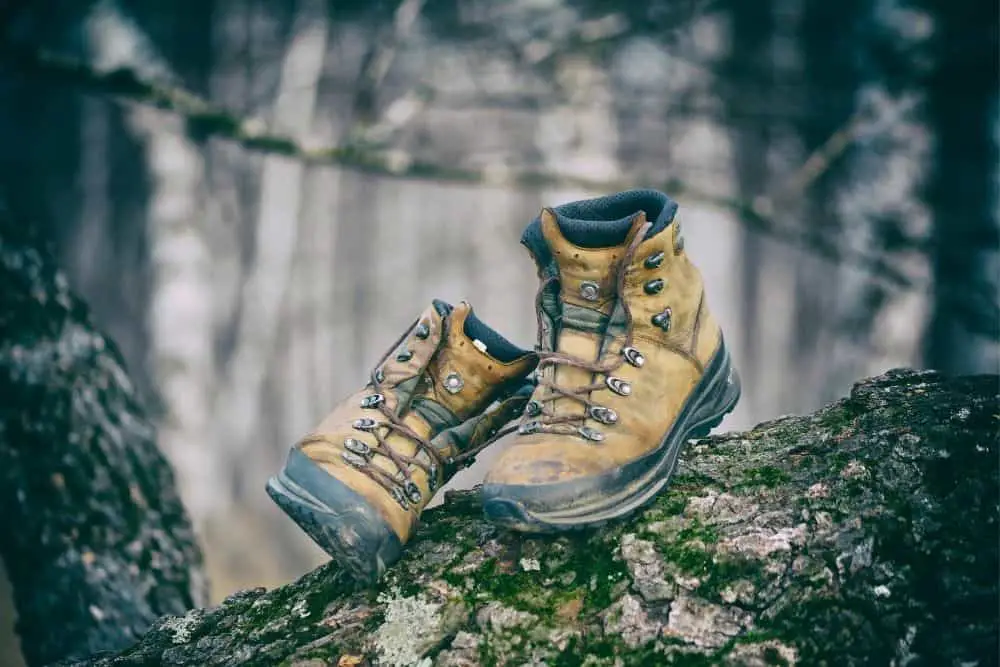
337	518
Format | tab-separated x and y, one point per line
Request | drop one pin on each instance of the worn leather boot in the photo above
632	364
358	483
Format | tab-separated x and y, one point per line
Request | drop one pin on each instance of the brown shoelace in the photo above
545	420
359	454
405	489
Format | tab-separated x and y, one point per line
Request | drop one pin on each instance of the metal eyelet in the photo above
654	260
619	386
662	319
432	477
379	375
533	409
654	286
678	238
422	331
591	434
400	497
413	492
633	356
364	424
357	447
590	290
453	383
372	401
527	428
353	459
606	416
404	355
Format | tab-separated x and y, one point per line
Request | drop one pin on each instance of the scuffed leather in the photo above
444	351
674	360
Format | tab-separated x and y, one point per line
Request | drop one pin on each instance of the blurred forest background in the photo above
255	197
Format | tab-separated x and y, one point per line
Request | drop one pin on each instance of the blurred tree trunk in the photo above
265	288
828	39
825	539
180	263
752	28
95	540
964	114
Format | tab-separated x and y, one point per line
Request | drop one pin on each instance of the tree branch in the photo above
832	525
206	119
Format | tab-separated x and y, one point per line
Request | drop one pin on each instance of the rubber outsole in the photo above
337	518
716	395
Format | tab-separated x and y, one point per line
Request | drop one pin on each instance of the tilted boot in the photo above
631	365
358	483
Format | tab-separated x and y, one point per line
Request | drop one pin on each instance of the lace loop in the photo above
545	418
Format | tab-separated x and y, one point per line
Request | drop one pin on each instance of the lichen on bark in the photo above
866	533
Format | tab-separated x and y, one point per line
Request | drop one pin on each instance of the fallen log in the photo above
866	533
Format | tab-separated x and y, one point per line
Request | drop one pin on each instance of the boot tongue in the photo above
586	254
586	309
472	367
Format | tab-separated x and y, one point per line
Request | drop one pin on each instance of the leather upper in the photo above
576	323
439	382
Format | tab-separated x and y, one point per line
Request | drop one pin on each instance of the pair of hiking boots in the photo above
629	365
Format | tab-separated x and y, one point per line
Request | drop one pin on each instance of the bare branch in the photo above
207	119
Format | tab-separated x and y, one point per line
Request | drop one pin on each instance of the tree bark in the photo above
95	540
866	533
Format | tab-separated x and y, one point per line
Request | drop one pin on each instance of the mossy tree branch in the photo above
866	533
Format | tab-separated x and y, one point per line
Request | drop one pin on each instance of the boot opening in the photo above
491	342
605	221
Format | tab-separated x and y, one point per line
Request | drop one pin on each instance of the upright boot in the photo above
632	364
358	483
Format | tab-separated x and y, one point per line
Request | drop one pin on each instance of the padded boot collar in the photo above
600	222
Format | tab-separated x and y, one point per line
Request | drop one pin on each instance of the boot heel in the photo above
720	394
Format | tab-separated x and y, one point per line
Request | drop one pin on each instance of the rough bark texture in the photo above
866	533
95	539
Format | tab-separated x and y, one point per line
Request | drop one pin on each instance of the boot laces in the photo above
544	419
359	455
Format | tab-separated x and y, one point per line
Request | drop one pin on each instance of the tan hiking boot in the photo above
358	483
631	365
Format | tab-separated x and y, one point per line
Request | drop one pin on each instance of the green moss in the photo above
696	530
839	417
764	476
690	480
670	503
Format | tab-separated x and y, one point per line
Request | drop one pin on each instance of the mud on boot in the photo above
358	483
632	364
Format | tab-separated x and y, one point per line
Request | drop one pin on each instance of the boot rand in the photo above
632	365
358	483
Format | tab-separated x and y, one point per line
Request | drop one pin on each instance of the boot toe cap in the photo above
336	517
